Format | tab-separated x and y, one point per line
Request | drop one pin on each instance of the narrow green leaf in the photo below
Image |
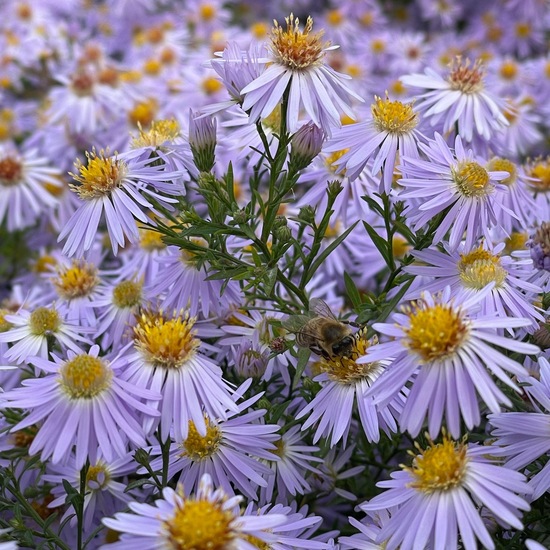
352	291
303	358
379	242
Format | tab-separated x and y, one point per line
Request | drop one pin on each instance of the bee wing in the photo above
319	307
295	323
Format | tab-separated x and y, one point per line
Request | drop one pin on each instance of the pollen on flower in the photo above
539	174
85	377
498	164
11	171
465	78
99	177
44	321
472	180
97	477
346	370
127	294
393	116
158	133
201	525
76	281
198	447
435	332
294	48
479	268
440	467
166	342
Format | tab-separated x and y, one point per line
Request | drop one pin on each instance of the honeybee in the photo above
321	331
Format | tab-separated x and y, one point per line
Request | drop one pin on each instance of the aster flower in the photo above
229	451
523	436
454	182
297	61
344	382
391	129
24	192
469	271
539	243
81	402
167	359
439	496
115	189
461	99
447	355
208	518
32	331
103	495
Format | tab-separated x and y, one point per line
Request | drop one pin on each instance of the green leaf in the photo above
374	205
394	301
379	242
303	358
352	291
270	278
227	273
277	411
328	250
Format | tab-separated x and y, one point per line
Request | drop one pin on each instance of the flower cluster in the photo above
274	276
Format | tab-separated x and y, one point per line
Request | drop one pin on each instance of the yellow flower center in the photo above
4	325
346	370
466	79
498	164
400	246
523	29
198	447
211	85
167	343
200	525
294	48
259	30
257	543
539	173
378	46
127	294
150	240
435	332
331	161
11	171
77	281
94	474
440	467
159	132
144	113
207	12
508	70
479	268
82	84
334	18
44	321
472	179
516	241
273	120
393	116
152	67
85	377
6	123
100	177
333	230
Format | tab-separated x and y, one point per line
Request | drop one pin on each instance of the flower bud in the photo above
202	139
306	144
539	243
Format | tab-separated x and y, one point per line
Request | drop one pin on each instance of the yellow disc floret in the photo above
97	477
85	377
166	342
4	324
393	116
200	525
539	174
472	180
198	447
76	281
479	268
44	321
440	467
465	78
435	332
294	48
498	164
100	177
11	171
127	294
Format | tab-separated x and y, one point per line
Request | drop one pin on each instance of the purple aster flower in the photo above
539	244
523	436
229	451
33	331
24	181
81	402
447	355
439	497
461	99
104	496
391	129
167	359
344	384
207	519
115	189
296	61
455	182
469	271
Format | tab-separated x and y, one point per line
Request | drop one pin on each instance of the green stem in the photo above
79	506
